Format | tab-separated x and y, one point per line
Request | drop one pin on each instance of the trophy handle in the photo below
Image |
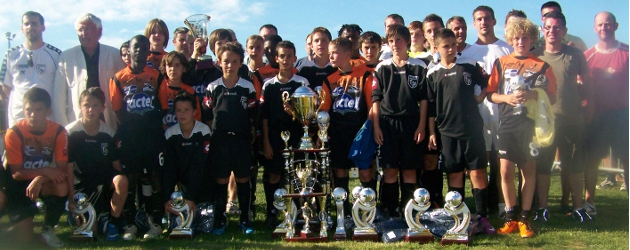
322	97
287	98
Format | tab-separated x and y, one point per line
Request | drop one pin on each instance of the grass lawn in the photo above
608	231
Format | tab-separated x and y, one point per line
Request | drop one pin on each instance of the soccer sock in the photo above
54	208
460	190
407	193
244	199
389	197
221	195
371	184
157	207
342	182
481	197
510	213
270	189
433	181
524	215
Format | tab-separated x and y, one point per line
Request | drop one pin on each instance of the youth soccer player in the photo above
370	43
517	130
399	108
173	66
94	162
158	35
134	97
124	52
453	106
417	39
319	68
431	24
352	33
231	106
254	49
275	120
32	145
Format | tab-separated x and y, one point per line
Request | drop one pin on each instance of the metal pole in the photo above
10	37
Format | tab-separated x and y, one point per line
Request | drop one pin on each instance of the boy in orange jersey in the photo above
173	66
157	32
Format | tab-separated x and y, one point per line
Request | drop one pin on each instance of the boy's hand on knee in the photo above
34	188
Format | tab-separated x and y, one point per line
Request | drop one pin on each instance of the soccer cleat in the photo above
487	228
590	208
232	208
130	232
525	230
48	236
581	215
509	227
220	225
605	184
623	187
542	215
155	230
112	232
247	227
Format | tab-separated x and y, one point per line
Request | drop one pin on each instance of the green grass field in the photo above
608	231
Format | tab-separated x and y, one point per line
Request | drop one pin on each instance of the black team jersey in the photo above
186	160
231	110
272	105
452	102
400	89
314	74
92	155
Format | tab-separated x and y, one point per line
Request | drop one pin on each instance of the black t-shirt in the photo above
272	108
185	160
231	109
451	94
314	74
92	155
400	89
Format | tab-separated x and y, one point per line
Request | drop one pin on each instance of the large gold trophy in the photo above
84	230
305	104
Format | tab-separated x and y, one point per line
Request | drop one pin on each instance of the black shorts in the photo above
138	153
608	131
569	140
515	146
230	153
461	154
425	143
19	206
399	150
276	164
341	139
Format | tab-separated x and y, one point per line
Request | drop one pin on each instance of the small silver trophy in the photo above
454	206
517	84
307	214
183	230
340	195
363	213
198	26
84	230
323	121
420	203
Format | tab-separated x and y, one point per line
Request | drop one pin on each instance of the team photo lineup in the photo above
139	142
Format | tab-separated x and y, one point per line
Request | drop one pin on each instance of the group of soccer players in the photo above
438	105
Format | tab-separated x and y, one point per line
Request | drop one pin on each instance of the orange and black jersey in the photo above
167	94
348	96
272	106
451	94
133	98
358	61
92	155
400	89
36	150
155	59
267	72
185	160
314	74
232	110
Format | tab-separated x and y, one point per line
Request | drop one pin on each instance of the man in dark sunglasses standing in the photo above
32	64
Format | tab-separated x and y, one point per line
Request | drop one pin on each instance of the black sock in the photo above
407	193
54	208
524	215
460	190
481	197
389	197
342	182
244	199
433	181
221	198
157	207
270	189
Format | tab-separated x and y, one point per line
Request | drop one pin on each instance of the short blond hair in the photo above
521	26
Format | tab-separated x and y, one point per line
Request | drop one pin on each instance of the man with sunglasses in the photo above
32	64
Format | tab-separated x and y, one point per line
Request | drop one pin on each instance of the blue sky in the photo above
123	19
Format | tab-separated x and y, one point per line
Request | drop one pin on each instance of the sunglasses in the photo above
29	59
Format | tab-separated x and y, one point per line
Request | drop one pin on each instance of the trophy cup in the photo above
517	84
340	195
420	203
305	104
454	205
180	205
198	26
285	137
363	213
323	121
84	230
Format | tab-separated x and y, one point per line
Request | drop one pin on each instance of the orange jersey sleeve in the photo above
326	103
61	146
493	80
163	94
13	146
367	90
114	94
191	91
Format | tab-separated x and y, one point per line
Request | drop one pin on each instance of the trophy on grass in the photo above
305	104
420	203
84	230
340	195
363	214
279	202
198	26
454	206
182	230
307	214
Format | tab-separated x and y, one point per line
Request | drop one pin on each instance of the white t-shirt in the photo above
20	77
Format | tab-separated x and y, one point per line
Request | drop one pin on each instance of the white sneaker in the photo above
590	208
154	231
623	187
48	236
130	232
232	208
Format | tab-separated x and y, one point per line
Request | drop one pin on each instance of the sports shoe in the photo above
525	230
155	230
590	208
220	225
542	215
272	221
623	187
566	209
509	227
502	211
605	184
232	208
487	228
581	215
246	227
112	232
130	232
48	236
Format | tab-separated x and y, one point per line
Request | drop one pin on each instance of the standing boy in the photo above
370	43
319	68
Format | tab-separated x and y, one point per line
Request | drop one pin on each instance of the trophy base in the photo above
306	239
181	234
306	234
339	237
455	240
83	238
365	237
421	239
278	233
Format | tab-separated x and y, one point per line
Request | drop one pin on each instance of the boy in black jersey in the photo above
399	108
94	161
231	106
186	153
276	118
453	106
370	44
319	68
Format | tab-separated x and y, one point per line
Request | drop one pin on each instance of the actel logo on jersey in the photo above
169	119
140	103
36	162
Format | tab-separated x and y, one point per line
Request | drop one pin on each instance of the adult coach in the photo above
87	65
31	64
568	39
